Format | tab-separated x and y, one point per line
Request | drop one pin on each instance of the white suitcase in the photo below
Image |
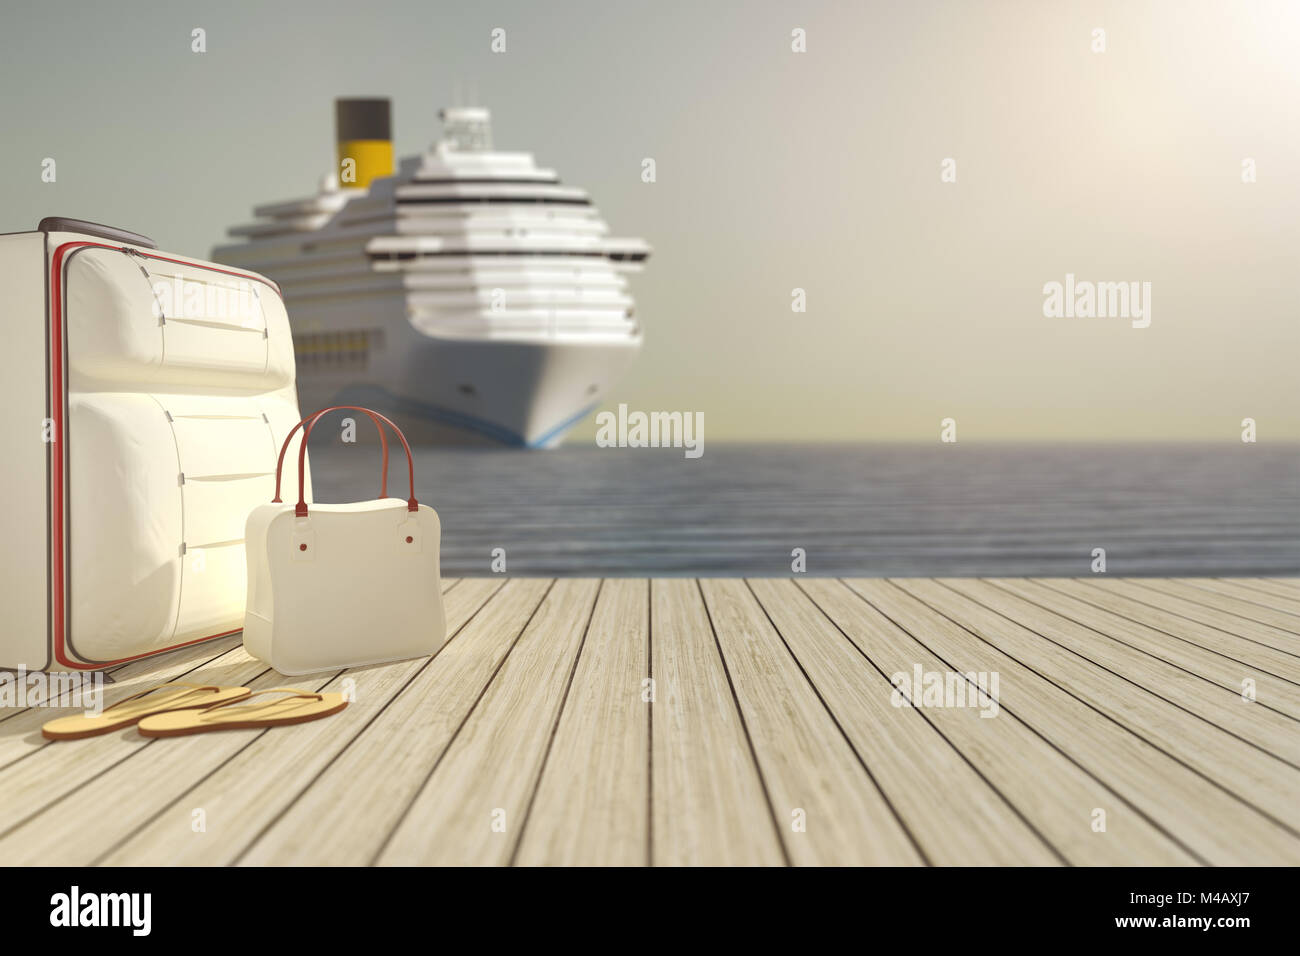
148	395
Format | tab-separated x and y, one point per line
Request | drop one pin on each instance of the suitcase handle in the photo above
309	422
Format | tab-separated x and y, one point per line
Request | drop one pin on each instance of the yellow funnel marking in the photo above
361	160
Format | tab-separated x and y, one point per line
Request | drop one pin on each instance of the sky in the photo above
776	170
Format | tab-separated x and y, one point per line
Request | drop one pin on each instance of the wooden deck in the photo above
770	738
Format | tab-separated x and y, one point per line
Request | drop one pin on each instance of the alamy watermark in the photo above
651	430
1084	299
178	298
924	689
133	911
18	688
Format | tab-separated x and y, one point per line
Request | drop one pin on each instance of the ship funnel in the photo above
364	129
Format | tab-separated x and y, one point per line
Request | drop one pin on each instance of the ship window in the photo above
336	350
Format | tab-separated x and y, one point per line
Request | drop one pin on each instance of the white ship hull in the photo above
448	391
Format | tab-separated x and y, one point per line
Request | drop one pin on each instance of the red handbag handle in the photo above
383	441
309	422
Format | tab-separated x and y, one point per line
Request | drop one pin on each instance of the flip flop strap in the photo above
216	709
148	691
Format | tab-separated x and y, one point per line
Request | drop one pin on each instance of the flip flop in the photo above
301	707
171	696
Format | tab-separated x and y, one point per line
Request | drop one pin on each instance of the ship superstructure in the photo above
469	294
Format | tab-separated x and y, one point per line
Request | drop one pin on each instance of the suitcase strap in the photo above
138	259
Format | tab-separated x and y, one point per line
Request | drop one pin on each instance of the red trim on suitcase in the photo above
58	398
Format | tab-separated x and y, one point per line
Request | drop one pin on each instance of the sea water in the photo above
869	510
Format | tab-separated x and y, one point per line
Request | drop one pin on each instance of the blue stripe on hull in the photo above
375	394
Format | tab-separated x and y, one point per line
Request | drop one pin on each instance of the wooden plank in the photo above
1216	825
471	809
359	798
591	806
1258	778
20	738
966	822
1271	692
128	674
708	803
70	831
39	782
829	809
1232	646
1266	586
54	807
20	728
248	792
1054	793
1157	594
1224	707
1235	600
1287	582
1112	695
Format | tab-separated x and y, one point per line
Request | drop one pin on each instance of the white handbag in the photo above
334	586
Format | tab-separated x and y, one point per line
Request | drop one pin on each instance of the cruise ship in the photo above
469	295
